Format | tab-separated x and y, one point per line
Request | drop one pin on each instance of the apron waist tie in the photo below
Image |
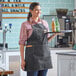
35	45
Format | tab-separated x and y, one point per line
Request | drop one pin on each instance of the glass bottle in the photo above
53	25
57	25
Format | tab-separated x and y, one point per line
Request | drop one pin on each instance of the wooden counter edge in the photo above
6	72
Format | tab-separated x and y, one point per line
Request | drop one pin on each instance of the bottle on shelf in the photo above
53	25
57	25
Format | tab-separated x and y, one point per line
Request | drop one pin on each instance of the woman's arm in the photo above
22	56
54	35
22	40
51	37
22	52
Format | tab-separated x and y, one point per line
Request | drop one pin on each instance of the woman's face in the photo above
36	12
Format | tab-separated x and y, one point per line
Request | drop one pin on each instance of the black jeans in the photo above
37	73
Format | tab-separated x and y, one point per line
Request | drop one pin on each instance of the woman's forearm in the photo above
51	37
22	52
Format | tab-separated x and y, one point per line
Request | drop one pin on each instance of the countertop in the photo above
51	49
72	53
61	48
10	50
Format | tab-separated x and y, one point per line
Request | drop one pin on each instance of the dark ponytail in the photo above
32	6
29	15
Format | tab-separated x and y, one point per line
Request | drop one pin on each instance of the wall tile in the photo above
48	8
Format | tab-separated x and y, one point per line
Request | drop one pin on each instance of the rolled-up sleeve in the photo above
23	35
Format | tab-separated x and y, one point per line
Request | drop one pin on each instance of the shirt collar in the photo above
34	22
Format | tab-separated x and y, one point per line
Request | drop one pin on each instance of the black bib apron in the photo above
38	56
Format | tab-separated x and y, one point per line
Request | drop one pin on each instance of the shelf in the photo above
15	12
16	2
14	17
16	7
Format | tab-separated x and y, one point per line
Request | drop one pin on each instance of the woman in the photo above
37	59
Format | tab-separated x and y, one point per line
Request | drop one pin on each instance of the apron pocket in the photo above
41	50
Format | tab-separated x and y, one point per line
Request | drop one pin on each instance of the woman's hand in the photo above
23	64
58	34
55	34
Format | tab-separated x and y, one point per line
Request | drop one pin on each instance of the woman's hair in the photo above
32	6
